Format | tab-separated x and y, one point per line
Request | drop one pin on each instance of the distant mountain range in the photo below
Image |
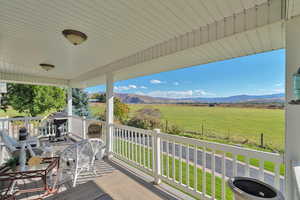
241	98
139	99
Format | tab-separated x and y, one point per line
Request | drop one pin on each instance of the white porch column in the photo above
69	109
109	112
292	114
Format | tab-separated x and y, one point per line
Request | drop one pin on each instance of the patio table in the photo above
43	171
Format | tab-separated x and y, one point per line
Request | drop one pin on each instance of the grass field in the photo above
235	124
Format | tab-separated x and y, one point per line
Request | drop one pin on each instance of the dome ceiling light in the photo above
75	37
47	67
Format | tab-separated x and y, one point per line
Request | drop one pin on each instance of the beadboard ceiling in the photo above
131	37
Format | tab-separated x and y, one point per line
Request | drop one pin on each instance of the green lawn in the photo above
235	124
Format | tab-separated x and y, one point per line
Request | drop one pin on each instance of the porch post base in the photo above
109	155
157	181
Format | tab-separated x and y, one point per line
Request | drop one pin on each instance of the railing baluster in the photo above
277	175
223	176
234	167
187	165
140	148
162	156
180	163
130	140
122	142
261	170
136	147
148	147
145	151
117	140
167	164
195	168
247	166
113	141
131	145
173	160
127	144
213	179
203	172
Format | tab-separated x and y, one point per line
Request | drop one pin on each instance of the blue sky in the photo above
254	75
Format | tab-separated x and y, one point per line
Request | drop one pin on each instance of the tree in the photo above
121	111
80	102
35	99
100	97
4	102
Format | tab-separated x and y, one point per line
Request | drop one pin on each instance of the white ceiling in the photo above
30	34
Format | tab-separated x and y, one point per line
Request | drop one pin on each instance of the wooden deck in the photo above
111	178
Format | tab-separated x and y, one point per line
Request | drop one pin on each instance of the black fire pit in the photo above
245	188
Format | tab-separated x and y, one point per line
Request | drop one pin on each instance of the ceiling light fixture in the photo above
47	67
75	37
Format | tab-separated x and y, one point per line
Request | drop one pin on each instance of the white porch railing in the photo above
200	168
197	167
12	125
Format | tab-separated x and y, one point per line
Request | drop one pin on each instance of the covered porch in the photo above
136	38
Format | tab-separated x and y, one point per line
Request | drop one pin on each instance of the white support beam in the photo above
250	19
109	112
292	135
29	79
69	108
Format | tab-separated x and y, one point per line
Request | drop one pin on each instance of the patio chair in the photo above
12	144
76	159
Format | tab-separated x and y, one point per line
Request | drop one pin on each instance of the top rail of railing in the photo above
20	119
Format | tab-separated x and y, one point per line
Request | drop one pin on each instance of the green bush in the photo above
175	130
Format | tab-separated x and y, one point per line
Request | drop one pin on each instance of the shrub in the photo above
175	130
146	118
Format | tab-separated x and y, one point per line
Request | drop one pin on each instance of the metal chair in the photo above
76	159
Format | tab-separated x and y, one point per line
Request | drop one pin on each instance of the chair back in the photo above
10	143
78	154
98	147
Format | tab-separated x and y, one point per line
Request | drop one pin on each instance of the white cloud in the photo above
121	88
124	88
154	81
177	94
278	84
278	90
176	83
132	86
